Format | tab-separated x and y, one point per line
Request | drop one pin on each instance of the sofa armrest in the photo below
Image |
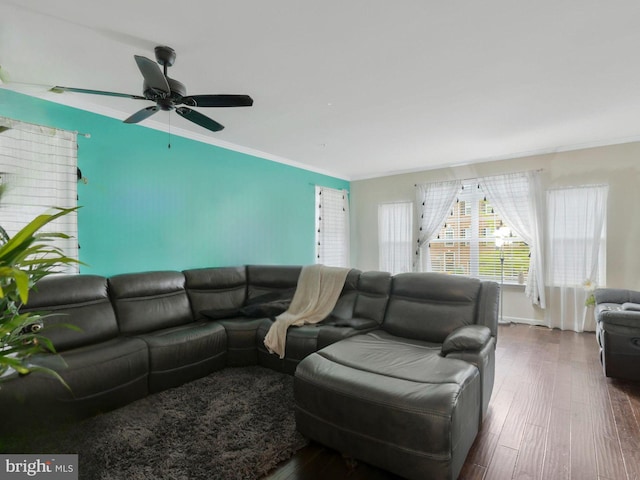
357	323
467	338
616	295
618	317
630	306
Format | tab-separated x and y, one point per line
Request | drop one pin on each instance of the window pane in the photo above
466	245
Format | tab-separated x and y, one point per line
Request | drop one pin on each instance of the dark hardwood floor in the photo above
553	415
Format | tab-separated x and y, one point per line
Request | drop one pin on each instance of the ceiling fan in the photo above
168	93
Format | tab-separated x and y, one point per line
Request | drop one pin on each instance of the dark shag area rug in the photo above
237	423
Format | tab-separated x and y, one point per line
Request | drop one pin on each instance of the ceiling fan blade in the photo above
59	89
218	101
142	114
152	74
199	119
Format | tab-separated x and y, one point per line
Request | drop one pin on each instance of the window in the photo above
466	244
39	167
395	236
577	235
332	227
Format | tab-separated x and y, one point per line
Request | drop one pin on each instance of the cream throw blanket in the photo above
316	294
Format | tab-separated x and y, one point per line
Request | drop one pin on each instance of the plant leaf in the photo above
22	284
32	227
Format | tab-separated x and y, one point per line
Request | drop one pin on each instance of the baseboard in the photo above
526	321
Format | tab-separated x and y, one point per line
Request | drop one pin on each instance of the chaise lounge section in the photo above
399	374
410	396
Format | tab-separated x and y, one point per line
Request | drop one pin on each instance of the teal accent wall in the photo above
147	207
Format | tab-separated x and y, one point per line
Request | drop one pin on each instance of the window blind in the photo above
38	166
332	227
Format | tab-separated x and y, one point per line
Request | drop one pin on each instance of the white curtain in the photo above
518	199
575	253
39	167
435	201
395	231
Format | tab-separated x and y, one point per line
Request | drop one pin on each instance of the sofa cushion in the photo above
149	301
220	313
101	377
183	353
306	339
242	349
346	302
263	279
78	300
373	295
357	323
218	288
269	309
267	305
429	306
104	367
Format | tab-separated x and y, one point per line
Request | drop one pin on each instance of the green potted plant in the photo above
25	258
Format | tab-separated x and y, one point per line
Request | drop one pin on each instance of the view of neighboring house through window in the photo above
395	237
38	166
332	227
466	244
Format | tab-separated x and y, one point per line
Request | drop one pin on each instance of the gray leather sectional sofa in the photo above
617	313
399	375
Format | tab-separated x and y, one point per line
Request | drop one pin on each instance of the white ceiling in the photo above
357	88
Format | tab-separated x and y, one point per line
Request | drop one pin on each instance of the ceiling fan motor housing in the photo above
178	90
165	56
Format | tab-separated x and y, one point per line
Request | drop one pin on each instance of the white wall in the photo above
616	165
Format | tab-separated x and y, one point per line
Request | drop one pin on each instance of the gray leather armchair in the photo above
617	313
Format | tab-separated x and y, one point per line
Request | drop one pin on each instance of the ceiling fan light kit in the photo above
168	93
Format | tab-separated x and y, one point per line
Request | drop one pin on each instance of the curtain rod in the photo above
569	187
462	180
324	186
76	132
